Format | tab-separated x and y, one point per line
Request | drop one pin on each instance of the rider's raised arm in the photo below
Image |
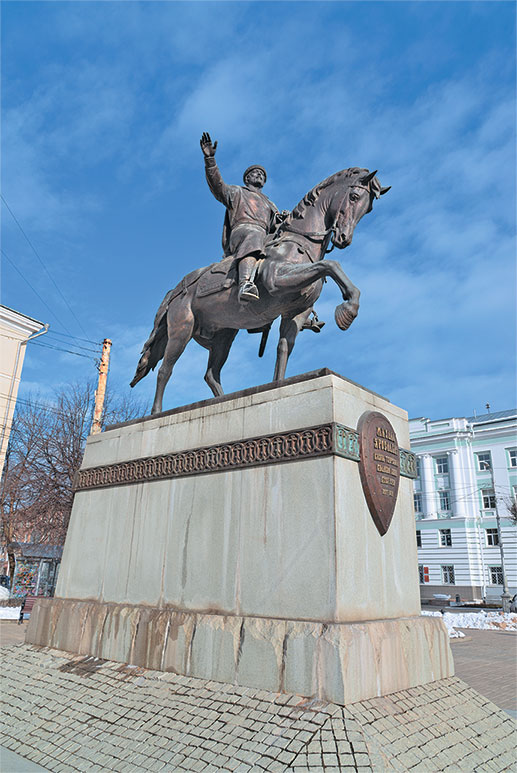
219	188
221	191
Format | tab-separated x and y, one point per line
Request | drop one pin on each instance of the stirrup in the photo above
313	324
248	291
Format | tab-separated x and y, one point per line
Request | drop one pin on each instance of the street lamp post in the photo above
505	597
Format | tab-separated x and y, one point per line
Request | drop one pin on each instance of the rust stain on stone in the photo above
128	671
83	667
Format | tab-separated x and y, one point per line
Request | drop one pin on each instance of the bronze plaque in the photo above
379	467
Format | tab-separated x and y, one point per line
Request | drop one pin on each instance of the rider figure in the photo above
250	217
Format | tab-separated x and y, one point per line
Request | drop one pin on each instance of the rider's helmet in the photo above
254	166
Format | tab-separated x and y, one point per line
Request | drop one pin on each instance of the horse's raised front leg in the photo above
289	329
286	276
219	351
180	326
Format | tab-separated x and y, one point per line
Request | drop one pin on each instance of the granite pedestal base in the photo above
338	662
231	540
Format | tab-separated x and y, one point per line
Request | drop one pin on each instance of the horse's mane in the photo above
310	198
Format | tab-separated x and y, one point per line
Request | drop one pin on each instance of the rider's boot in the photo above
313	324
247	288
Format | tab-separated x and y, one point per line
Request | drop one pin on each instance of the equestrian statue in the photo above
273	265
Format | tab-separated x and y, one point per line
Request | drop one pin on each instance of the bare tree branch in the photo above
46	447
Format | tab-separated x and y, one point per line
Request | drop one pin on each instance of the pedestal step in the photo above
339	662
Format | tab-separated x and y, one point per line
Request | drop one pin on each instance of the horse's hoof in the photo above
343	316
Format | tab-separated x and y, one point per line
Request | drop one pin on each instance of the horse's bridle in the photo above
325	236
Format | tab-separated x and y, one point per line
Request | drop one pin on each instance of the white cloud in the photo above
304	98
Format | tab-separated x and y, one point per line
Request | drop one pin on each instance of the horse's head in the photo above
355	191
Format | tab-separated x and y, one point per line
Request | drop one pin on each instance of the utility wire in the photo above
83	348
60	349
13	264
470	493
41	261
84	340
40	406
54	332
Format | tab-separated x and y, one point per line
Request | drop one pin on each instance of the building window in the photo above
442	465
484	461
418	468
418	538
492	537
417	499
445	538
512	457
496	575
445	502
488	498
448	575
423	574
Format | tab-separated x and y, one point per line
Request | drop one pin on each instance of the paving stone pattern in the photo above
69	713
486	661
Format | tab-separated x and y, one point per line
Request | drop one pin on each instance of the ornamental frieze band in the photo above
307	443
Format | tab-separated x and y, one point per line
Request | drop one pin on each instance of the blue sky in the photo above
103	105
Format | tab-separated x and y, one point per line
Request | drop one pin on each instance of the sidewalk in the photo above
486	661
12	633
68	713
13	763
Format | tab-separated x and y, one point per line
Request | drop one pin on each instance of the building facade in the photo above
15	331
467	475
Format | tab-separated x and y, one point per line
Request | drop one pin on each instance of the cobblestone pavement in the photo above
486	661
70	713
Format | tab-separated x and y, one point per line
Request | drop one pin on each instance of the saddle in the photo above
220	276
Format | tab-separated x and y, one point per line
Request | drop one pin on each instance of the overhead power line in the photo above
54	332
38	406
60	349
58	413
78	346
13	264
85	340
42	263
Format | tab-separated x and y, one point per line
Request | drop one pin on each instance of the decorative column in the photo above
457	491
428	488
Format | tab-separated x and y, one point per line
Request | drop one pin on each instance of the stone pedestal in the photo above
231	540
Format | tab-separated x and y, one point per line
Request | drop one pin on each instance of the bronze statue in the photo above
205	305
250	217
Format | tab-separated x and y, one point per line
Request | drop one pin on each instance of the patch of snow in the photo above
486	621
9	613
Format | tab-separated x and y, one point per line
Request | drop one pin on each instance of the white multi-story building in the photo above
467	475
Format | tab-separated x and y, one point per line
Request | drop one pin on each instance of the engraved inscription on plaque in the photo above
379	467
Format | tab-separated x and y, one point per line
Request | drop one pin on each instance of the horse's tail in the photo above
154	348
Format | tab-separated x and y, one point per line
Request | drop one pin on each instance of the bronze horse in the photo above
290	280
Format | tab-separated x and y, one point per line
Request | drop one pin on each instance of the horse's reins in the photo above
314	235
